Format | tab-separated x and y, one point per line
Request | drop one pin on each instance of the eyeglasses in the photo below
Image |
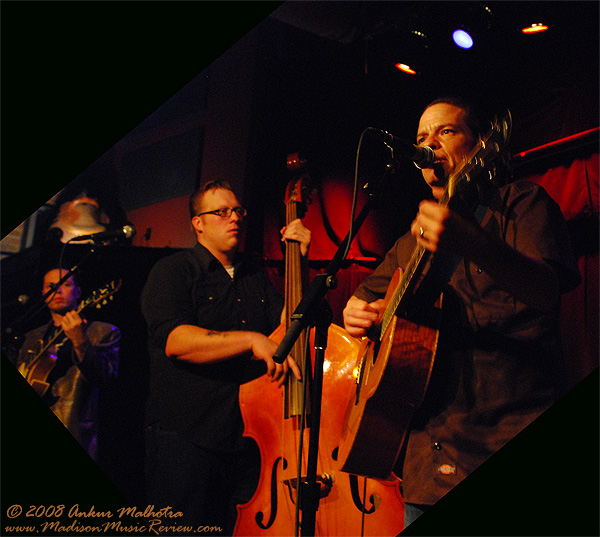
226	212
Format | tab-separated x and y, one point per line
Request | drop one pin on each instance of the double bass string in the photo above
284	459
295	396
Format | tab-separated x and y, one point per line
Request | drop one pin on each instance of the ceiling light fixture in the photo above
534	28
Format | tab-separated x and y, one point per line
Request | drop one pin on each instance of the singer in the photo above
209	311
498	363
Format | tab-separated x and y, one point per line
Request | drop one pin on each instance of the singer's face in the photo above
218	235
66	296
443	127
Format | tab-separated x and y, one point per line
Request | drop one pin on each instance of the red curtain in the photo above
574	186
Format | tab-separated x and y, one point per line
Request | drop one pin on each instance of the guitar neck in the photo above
406	285
420	257
59	331
97	298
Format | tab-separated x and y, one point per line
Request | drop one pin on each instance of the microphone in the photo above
126	232
423	157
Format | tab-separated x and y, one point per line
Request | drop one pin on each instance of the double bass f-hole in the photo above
375	499
274	479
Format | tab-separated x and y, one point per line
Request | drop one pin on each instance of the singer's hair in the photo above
479	123
474	115
197	197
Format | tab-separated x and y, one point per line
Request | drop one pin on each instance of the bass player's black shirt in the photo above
191	287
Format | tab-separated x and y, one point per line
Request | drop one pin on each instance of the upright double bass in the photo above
277	419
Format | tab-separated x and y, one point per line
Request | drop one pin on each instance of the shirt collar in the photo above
208	261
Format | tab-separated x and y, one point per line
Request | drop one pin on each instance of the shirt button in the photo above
437	446
479	271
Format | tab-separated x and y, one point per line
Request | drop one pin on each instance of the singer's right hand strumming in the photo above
360	316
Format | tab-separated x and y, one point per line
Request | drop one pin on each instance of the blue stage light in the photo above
462	39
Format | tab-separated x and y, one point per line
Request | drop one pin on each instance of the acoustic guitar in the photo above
42	359
395	364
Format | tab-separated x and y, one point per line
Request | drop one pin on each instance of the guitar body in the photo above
395	367
393	376
36	373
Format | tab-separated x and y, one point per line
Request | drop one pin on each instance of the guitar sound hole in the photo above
376	347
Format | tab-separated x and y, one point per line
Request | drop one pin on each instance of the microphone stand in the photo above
313	310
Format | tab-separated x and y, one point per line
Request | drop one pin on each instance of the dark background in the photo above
79	76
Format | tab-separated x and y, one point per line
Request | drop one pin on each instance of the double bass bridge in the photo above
324	481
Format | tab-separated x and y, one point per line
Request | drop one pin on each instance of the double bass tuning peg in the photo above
295	162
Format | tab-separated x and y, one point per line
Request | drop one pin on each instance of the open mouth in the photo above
438	170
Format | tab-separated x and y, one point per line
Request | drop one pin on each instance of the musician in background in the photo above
498	364
85	356
209	311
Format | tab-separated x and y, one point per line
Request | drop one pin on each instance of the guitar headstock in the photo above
101	296
482	164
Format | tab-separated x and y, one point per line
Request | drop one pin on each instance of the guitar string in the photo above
474	159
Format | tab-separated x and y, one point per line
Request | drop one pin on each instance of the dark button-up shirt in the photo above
191	287
498	364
